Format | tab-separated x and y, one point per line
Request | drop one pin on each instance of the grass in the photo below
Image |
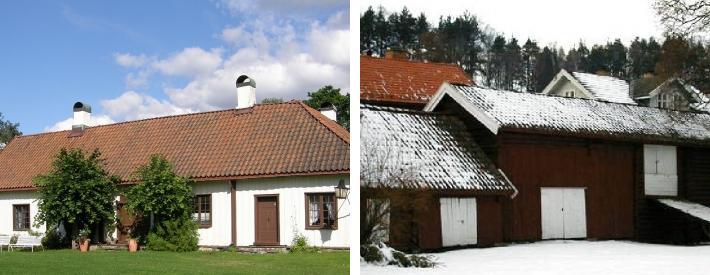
152	262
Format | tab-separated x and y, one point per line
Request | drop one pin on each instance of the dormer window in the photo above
569	93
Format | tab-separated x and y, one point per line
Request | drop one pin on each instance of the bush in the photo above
300	244
382	254
13	239
179	236
371	253
401	259
52	240
421	261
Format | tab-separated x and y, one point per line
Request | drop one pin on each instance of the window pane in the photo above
328	209
314	211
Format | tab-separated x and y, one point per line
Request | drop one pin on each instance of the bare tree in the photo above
390	188
684	17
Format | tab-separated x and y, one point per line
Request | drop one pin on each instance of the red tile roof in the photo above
268	140
403	81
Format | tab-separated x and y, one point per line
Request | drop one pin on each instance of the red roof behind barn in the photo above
404	82
268	140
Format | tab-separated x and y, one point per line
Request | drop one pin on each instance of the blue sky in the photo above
139	59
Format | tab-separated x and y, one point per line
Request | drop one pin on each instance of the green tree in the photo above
160	195
77	192
8	131
331	95
160	191
367	29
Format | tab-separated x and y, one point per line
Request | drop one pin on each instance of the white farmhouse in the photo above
263	172
589	86
676	94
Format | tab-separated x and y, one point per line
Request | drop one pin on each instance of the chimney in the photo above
82	116
246	92
396	53
329	111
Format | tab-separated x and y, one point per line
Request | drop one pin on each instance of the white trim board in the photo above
447	89
572	79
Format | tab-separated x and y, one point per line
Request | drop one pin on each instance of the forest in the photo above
520	63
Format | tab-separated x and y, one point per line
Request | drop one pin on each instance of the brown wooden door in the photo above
267	220
125	221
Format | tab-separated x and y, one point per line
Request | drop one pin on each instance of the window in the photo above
660	170
569	94
321	211
663	101
203	211
21	217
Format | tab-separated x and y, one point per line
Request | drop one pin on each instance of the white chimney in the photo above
246	92
82	116
329	111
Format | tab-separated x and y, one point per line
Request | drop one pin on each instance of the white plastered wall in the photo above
7	200
292	212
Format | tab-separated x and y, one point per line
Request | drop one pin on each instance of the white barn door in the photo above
564	213
458	221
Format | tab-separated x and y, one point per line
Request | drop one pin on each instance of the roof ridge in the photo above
326	121
162	117
412	61
577	98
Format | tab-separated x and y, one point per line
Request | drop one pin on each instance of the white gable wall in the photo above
292	211
7	199
565	85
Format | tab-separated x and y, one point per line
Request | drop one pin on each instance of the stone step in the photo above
112	247
262	249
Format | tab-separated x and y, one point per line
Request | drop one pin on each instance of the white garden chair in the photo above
4	241
27	241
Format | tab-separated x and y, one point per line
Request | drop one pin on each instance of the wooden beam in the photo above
233	194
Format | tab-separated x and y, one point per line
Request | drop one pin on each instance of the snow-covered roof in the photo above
431	150
694	209
605	88
497	109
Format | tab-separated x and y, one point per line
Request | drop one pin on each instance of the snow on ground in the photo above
565	257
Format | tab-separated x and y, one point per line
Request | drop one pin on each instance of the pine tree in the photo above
367	29
545	69
530	52
513	66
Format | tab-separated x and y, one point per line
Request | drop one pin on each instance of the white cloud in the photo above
190	62
282	7
129	60
132	105
67	123
286	60
137	80
282	66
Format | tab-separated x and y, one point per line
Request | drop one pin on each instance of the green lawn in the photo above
152	262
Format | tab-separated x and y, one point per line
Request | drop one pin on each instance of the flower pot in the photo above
84	245
132	245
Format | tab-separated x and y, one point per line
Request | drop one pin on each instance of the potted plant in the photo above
132	242
83	239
